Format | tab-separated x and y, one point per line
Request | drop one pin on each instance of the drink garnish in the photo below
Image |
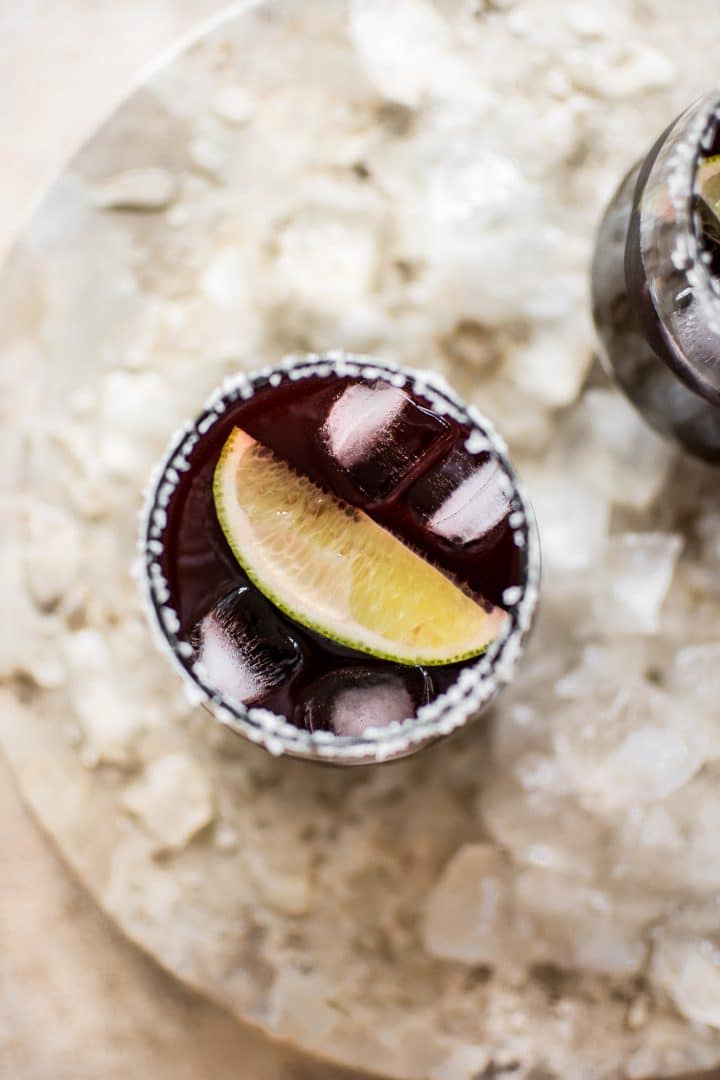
331	568
708	190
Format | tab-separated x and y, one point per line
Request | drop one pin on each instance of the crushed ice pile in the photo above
421	180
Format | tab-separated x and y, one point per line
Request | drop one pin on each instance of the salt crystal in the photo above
287	891
573	522
638	572
301	1002
109	723
694	678
688	968
83	400
462	1062
481	911
134	407
151	188
225	838
51	552
635	749
406	50
172	800
603	669
234	105
476	202
621	70
583	926
207	156
539	822
610	449
48	671
468	906
586	21
638	1012
326	258
225	278
675	845
550	367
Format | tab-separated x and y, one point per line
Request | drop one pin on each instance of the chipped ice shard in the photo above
172	799
633	751
351	700
242	649
688	967
380	436
637	577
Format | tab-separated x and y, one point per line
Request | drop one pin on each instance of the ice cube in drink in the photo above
379	437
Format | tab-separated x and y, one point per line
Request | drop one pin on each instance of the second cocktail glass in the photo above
656	291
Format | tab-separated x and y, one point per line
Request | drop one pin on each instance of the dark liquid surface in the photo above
394	484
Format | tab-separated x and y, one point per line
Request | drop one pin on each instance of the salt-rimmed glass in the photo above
477	683
656	301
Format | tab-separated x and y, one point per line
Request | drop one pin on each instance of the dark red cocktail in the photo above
415	461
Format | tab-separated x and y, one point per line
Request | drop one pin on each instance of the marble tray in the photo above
421	181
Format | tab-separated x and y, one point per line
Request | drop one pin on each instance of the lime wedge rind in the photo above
708	191
333	570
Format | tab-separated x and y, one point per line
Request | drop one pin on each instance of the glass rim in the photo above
687	255
476	684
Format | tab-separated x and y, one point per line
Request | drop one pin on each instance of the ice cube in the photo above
637	748
639	570
469	914
378	435
534	818
582	925
464	499
408	53
243	651
483	910
326	259
607	446
694	678
573	521
351	700
674	845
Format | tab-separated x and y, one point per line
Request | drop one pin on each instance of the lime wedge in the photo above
334	570
708	188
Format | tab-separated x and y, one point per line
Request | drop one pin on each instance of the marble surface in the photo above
62	1017
422	181
78	1002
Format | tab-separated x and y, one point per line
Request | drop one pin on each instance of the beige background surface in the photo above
63	65
76	1001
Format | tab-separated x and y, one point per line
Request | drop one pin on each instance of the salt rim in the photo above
678	161
476	685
